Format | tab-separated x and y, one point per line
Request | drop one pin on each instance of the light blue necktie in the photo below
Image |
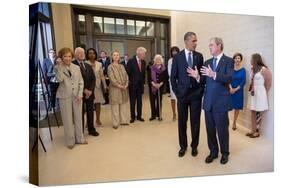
189	60
214	63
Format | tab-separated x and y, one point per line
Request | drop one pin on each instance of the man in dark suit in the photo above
125	61
217	101
188	91
49	73
136	72
105	61
88	91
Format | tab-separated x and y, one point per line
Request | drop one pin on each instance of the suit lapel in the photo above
183	59
220	63
137	65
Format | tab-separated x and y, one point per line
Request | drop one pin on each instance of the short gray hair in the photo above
158	56
78	49
141	50
188	35
218	41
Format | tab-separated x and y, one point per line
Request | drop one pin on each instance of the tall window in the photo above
118	26
107	30
82	34
163	40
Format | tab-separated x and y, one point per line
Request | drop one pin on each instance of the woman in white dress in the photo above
100	82
260	84
174	50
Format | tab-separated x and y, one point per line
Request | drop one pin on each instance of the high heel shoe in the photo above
249	134
255	135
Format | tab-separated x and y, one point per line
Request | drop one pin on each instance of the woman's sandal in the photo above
249	134
255	135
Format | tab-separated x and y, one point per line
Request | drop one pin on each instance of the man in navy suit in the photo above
189	91
217	101
136	72
49	73
125	61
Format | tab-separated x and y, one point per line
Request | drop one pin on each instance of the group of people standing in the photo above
220	82
84	83
216	84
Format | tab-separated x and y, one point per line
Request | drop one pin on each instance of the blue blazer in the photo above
180	80
105	65
48	69
217	96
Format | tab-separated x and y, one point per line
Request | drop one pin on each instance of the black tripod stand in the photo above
36	99
43	82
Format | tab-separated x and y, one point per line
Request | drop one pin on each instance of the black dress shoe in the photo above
132	120
182	152
152	118
194	152
94	133
224	159
140	119
210	158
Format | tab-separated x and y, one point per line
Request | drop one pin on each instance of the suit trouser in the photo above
119	114
72	121
217	123
195	113
89	104
135	96
155	104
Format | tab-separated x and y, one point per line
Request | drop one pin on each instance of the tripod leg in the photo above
50	129
44	98
42	143
35	143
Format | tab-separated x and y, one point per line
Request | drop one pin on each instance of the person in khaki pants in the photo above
118	91
70	95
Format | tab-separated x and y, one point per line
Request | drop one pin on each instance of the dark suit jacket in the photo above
184	86
136	77
124	64
88	77
105	65
48	69
217	96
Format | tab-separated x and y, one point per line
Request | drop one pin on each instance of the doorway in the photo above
126	46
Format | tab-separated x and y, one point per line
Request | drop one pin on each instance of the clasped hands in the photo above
123	87
157	85
87	93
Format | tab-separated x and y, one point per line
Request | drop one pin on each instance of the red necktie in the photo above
139	64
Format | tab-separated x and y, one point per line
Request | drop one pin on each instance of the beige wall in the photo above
62	25
245	34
